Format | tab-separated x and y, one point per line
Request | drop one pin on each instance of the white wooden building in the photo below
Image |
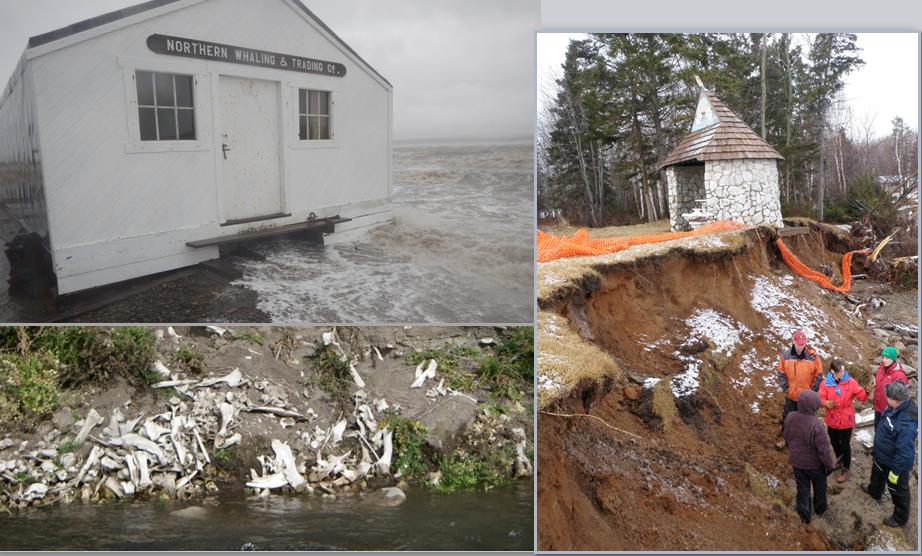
134	142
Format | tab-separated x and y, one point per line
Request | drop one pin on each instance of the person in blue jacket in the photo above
894	452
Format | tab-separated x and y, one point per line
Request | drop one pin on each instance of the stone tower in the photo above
722	170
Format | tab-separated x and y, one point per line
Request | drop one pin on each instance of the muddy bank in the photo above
682	340
312	411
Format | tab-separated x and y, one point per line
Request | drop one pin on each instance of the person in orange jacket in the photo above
800	368
837	394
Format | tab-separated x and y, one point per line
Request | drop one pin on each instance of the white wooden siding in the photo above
122	204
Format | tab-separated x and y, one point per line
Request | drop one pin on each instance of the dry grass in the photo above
658	227
563	278
566	360
664	403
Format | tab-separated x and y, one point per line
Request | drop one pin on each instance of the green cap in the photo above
890	353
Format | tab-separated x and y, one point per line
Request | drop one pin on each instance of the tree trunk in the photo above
641	163
659	146
899	169
575	125
821	178
787	118
764	93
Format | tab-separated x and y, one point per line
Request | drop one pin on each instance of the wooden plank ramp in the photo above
793	231
321	225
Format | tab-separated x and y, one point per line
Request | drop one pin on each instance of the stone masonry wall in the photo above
743	190
685	184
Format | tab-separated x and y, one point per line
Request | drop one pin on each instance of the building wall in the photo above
119	208
686	186
743	190
21	183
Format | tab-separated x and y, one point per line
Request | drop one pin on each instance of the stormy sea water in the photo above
460	249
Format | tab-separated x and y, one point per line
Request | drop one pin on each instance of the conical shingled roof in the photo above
726	139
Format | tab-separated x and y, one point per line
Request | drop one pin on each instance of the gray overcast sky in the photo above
886	86
460	69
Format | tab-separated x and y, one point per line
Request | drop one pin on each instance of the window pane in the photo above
315	128
324	98
145	81
324	130
186	125
302	102
303	133
164	89
166	120
184	91
148	124
313	102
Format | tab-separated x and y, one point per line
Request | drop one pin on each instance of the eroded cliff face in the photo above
670	445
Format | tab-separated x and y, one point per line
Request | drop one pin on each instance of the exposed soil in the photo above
694	464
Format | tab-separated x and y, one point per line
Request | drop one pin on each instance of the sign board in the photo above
192	48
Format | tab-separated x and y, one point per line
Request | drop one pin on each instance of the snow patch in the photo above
686	383
865	437
754	366
754	407
548	383
650	382
770	299
722	331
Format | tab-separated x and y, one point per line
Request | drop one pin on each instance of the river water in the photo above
476	521
459	251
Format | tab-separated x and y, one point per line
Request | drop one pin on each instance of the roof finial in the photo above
698	80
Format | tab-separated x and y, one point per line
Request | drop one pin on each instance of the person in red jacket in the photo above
889	371
837	393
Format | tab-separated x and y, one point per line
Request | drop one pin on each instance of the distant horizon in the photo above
482	139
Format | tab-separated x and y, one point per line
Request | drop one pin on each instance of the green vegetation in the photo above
482	462
189	359
87	354
864	198
456	364
409	441
518	351
253	337
507	372
465	471
23	477
28	385
67	446
37	364
222	455
331	373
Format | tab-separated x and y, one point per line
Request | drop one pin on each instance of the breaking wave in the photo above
460	249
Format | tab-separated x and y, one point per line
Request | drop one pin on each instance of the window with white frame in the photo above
314	115
166	106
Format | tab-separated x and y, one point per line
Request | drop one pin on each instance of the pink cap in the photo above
800	338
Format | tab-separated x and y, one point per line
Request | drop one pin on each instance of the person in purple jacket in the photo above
809	454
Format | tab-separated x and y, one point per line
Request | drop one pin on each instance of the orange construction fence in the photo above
551	247
801	269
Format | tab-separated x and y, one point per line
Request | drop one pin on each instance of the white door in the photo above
250	138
